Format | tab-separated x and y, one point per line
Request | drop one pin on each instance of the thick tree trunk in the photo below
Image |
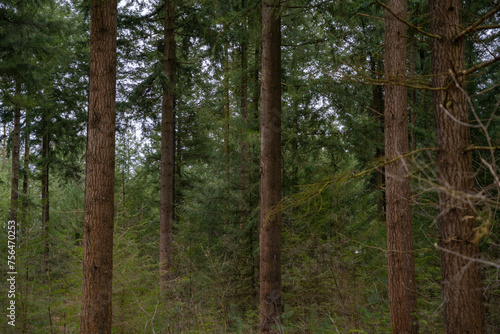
14	196
167	148
96	315
462	285
270	170
401	269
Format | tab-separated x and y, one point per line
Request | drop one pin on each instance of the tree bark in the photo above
167	148
270	170
401	268
96	314
461	277
14	196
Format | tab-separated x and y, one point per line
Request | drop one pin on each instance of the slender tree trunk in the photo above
96	314
4	141
378	106
244	112
26	171
45	213
25	221
413	97
45	197
270	170
226	112
462	285
401	268
14	196
167	148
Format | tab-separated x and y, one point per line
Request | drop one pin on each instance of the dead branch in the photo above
475	24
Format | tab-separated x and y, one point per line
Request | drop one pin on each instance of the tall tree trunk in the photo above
45	213
226	112
25	221
96	314
244	110
167	148
45	196
462	285
378	106
401	269
26	168
270	170
413	97
14	196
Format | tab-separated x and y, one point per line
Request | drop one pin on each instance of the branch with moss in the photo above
476	24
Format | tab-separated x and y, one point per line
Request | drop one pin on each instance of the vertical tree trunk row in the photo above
96	315
461	277
270	170
167	148
401	268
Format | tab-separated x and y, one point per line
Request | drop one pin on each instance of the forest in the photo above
249	166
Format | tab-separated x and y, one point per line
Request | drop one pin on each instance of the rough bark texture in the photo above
167	147
15	161
270	169
96	312
401	269
461	277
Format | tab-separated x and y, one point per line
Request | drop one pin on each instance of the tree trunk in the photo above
244	114
14	196
26	168
413	97
167	148
401	269
270	170
226	115
462	285
45	196
96	314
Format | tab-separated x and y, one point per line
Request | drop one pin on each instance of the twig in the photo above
371	16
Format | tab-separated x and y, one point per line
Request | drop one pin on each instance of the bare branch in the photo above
488	263
480	66
475	24
486	27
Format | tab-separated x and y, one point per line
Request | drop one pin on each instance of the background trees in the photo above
333	237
